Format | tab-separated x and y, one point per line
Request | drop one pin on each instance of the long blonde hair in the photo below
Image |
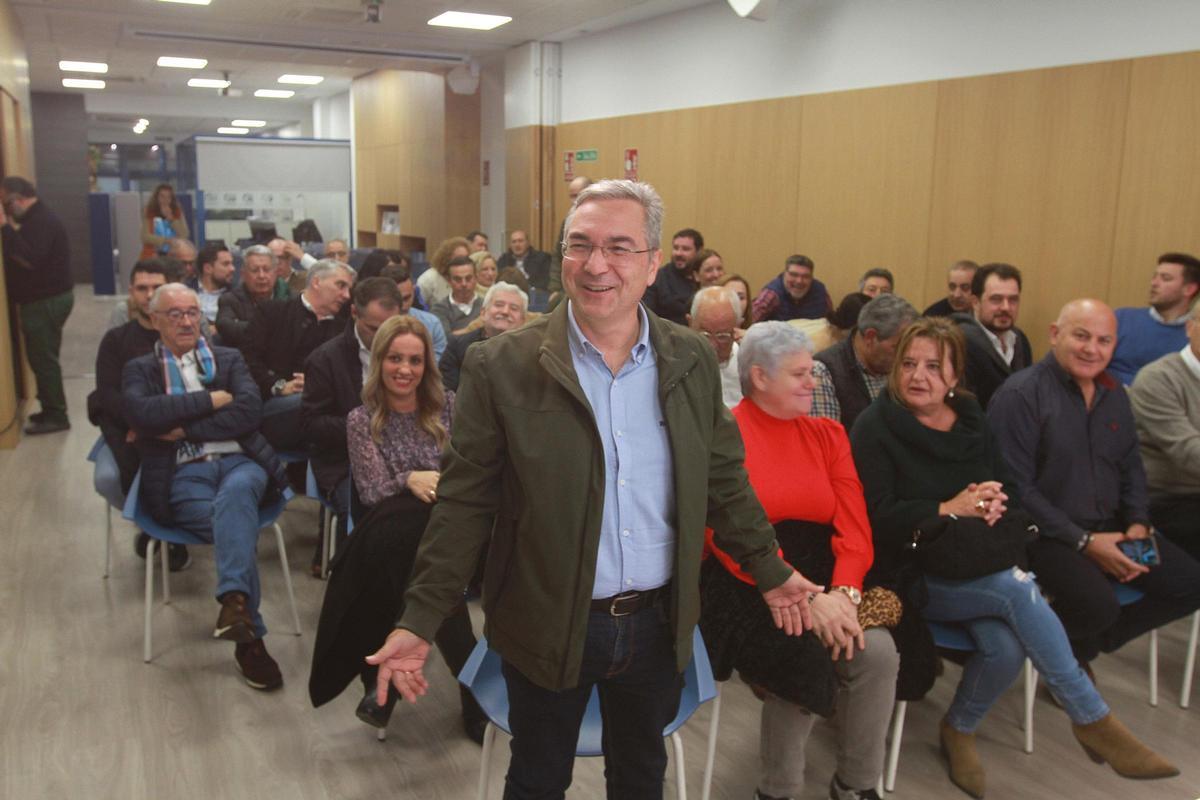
431	397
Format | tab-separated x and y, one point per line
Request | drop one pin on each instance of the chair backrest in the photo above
96	448
481	674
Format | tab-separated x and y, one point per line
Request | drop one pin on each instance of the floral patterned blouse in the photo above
381	470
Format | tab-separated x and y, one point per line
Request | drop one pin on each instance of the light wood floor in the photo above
83	717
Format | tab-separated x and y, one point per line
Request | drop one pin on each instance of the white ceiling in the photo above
256	41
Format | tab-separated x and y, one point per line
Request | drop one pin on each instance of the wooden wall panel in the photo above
522	183
1158	208
863	188
602	135
1026	171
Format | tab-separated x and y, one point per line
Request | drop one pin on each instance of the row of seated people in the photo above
900	476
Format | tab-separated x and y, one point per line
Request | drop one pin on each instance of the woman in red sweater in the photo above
802	470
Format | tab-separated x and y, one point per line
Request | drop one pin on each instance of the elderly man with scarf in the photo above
195	410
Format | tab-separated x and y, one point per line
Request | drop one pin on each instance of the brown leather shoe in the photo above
257	666
1108	740
966	770
234	623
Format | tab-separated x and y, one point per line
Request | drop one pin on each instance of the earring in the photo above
950	394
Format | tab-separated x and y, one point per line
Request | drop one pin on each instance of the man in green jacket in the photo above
592	447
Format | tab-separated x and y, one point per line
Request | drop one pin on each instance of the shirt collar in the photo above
1175	323
1006	340
362	348
582	347
1190	359
311	310
1104	382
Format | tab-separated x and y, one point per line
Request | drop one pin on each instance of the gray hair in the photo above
160	294
643	193
326	267
715	294
258	250
504	286
765	345
886	315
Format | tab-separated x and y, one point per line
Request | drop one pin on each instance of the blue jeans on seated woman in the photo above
1009	619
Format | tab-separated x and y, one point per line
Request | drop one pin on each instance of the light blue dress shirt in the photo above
436	331
637	527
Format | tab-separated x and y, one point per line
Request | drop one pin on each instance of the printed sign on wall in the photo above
569	165
631	166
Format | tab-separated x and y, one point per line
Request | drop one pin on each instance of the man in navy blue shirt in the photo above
1066	428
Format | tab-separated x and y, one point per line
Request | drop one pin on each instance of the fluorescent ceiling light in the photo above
235	131
466	19
281	94
82	83
302	80
154	148
98	67
208	83
248	123
188	2
182	63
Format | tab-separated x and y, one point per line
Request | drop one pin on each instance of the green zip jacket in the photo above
525	467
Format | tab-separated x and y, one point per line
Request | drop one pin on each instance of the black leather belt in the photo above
620	605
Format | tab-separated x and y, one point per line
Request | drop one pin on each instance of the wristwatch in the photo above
854	594
277	387
1084	542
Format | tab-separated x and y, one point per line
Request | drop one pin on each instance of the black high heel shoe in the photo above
372	713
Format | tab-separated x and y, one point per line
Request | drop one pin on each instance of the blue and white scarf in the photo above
206	366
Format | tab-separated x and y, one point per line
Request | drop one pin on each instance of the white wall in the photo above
491	149
532	78
707	56
331	117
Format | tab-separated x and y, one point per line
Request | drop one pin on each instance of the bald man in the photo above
715	313
1067	431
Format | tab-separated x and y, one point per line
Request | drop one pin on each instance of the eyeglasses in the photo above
613	254
177	315
719	338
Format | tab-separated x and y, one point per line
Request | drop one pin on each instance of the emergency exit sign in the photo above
587	155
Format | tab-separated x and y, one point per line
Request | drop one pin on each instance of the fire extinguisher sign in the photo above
569	165
631	164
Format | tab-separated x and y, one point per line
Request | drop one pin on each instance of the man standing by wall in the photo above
593	564
37	269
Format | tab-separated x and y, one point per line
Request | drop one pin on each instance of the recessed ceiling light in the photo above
281	94
234	131
248	123
99	67
182	63
302	80
466	19
82	83
153	148
112	146
188	2
208	83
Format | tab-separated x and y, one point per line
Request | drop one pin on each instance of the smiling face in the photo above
787	392
403	368
1083	339
926	376
258	274
797	280
605	291
711	271
504	313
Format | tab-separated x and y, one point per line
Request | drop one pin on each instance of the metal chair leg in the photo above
1189	664
107	538
1030	694
710	756
147	605
328	526
287	576
485	760
893	756
680	778
1154	668
166	570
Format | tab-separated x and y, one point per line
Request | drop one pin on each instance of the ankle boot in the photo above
966	771
1108	740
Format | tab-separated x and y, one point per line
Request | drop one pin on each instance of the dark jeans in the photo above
1178	518
631	660
42	323
1084	598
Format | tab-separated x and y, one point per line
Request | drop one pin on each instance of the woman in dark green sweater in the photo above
923	450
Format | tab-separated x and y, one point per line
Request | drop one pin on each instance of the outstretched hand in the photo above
400	662
789	603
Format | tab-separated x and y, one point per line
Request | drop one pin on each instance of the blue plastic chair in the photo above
481	674
92	455
953	637
267	517
1127	596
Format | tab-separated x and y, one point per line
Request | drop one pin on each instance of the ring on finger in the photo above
981	504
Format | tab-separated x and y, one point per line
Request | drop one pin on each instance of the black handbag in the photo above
967	547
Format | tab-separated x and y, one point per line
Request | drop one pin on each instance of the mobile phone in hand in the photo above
1142	551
